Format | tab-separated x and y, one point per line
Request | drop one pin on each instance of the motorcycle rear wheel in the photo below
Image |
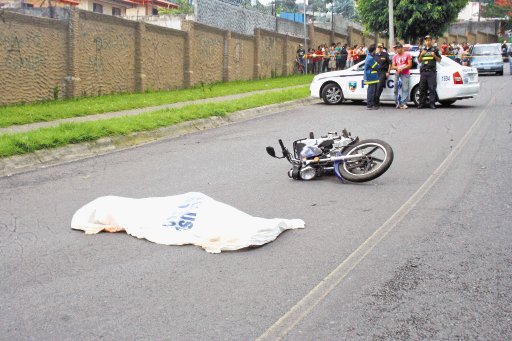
376	160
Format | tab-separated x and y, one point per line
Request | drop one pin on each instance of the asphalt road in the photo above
423	252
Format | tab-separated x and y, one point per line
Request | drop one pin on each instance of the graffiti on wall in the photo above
102	44
17	49
209	46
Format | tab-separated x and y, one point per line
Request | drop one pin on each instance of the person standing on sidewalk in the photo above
402	63
371	79
382	57
428	58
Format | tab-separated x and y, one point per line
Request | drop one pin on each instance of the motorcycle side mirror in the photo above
271	151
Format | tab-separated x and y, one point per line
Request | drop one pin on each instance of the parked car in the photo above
411	48
487	58
454	82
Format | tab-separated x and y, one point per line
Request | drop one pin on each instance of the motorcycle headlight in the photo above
307	173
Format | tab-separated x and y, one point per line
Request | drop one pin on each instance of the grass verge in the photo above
70	133
50	111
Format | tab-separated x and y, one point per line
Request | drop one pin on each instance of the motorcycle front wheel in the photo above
376	158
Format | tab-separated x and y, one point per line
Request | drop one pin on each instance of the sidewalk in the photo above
51	157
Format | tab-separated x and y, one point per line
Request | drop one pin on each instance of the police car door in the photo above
388	94
354	87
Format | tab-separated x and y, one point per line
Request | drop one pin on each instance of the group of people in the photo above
329	57
458	52
378	66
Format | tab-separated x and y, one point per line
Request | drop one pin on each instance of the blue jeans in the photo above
405	88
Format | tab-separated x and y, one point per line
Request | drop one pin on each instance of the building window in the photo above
97	8
25	5
116	11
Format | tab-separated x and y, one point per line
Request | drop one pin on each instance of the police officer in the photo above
428	57
382	58
371	78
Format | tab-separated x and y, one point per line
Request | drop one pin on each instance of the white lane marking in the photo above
289	320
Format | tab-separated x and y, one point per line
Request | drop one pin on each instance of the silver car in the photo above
486	58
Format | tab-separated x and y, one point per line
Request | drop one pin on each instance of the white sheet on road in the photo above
190	218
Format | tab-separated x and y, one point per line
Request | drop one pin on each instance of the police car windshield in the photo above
486	50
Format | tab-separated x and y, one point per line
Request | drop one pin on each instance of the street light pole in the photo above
391	26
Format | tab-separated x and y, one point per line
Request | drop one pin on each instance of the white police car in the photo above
454	82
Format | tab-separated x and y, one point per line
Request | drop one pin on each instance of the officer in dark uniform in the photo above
382	58
428	57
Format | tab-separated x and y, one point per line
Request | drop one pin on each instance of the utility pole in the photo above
332	17
391	26
479	10
305	37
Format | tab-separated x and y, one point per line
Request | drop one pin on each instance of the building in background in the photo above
471	12
109	7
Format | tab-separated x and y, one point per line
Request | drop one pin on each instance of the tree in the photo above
498	9
413	19
317	6
288	6
184	8
345	7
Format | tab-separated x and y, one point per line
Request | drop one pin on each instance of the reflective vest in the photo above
428	62
371	68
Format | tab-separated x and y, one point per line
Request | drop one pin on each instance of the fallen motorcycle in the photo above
345	156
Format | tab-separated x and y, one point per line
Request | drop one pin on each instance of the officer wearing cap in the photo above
382	58
428	58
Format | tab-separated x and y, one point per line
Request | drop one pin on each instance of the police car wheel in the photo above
416	96
332	94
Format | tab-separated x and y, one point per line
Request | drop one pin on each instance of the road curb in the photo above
51	157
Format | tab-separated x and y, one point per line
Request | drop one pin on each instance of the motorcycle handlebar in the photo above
283	148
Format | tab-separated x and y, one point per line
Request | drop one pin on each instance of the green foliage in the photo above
184	8
491	10
68	133
54	110
287	6
344	7
317	6
56	91
413	19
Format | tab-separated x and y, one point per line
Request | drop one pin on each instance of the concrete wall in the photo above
33	57
206	55
106	49
239	66
163	64
320	36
